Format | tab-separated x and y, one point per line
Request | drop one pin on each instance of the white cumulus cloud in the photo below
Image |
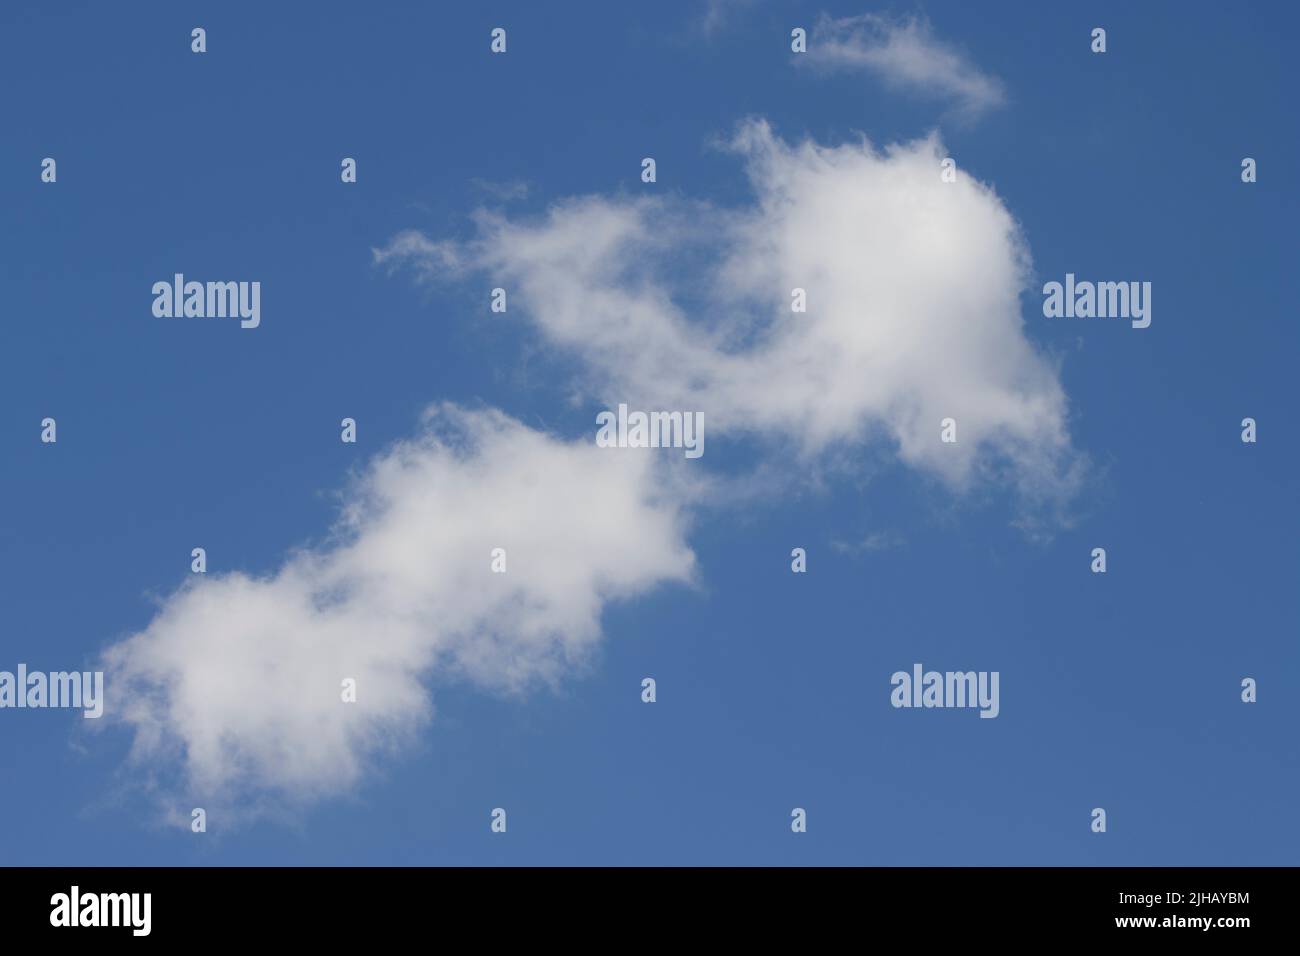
237	680
233	690
912	314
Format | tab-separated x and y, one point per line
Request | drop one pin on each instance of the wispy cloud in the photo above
875	541
717	12
502	191
907	56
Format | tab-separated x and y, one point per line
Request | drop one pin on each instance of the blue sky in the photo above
1118	691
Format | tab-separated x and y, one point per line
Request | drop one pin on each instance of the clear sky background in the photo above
1119	691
